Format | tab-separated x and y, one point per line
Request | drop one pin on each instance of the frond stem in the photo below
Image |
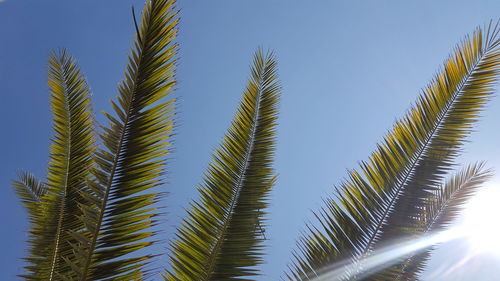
241	178
400	186
63	201
432	221
111	175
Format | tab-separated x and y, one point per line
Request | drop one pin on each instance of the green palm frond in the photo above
384	200
119	211
442	208
221	237
30	190
69	165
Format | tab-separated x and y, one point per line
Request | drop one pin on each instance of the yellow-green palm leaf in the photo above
384	200
221	237
120	210
30	190
56	203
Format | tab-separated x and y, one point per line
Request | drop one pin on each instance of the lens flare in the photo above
481	222
385	257
481	226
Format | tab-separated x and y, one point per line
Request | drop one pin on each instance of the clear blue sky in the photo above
349	69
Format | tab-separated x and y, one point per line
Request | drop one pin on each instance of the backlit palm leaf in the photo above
221	237
442	208
384	200
120	211
69	165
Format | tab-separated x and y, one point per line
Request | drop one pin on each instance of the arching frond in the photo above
442	208
69	165
120	212
30	190
384	199
221	237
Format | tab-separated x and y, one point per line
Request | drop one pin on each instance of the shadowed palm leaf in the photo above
384	201
119	210
57	203
221	238
442	208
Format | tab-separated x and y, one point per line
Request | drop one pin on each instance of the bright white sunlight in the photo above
481	224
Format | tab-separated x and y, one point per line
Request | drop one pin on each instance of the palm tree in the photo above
54	205
387	199
94	216
221	239
97	209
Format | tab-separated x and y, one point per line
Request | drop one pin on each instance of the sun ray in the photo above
481	221
387	256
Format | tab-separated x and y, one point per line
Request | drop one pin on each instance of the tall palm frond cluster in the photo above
96	210
95	215
388	198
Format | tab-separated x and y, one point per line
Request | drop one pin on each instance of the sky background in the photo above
349	69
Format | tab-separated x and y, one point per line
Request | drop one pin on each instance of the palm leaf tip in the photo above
30	190
384	199
121	202
221	238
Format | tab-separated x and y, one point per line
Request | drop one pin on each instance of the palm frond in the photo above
69	164
443	207
30	190
119	211
384	200
220	239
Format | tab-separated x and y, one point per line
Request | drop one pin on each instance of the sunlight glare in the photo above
481	221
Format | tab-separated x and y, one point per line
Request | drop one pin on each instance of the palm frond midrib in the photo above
66	74
419	154
476	178
443	207
116	159
58	237
241	176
